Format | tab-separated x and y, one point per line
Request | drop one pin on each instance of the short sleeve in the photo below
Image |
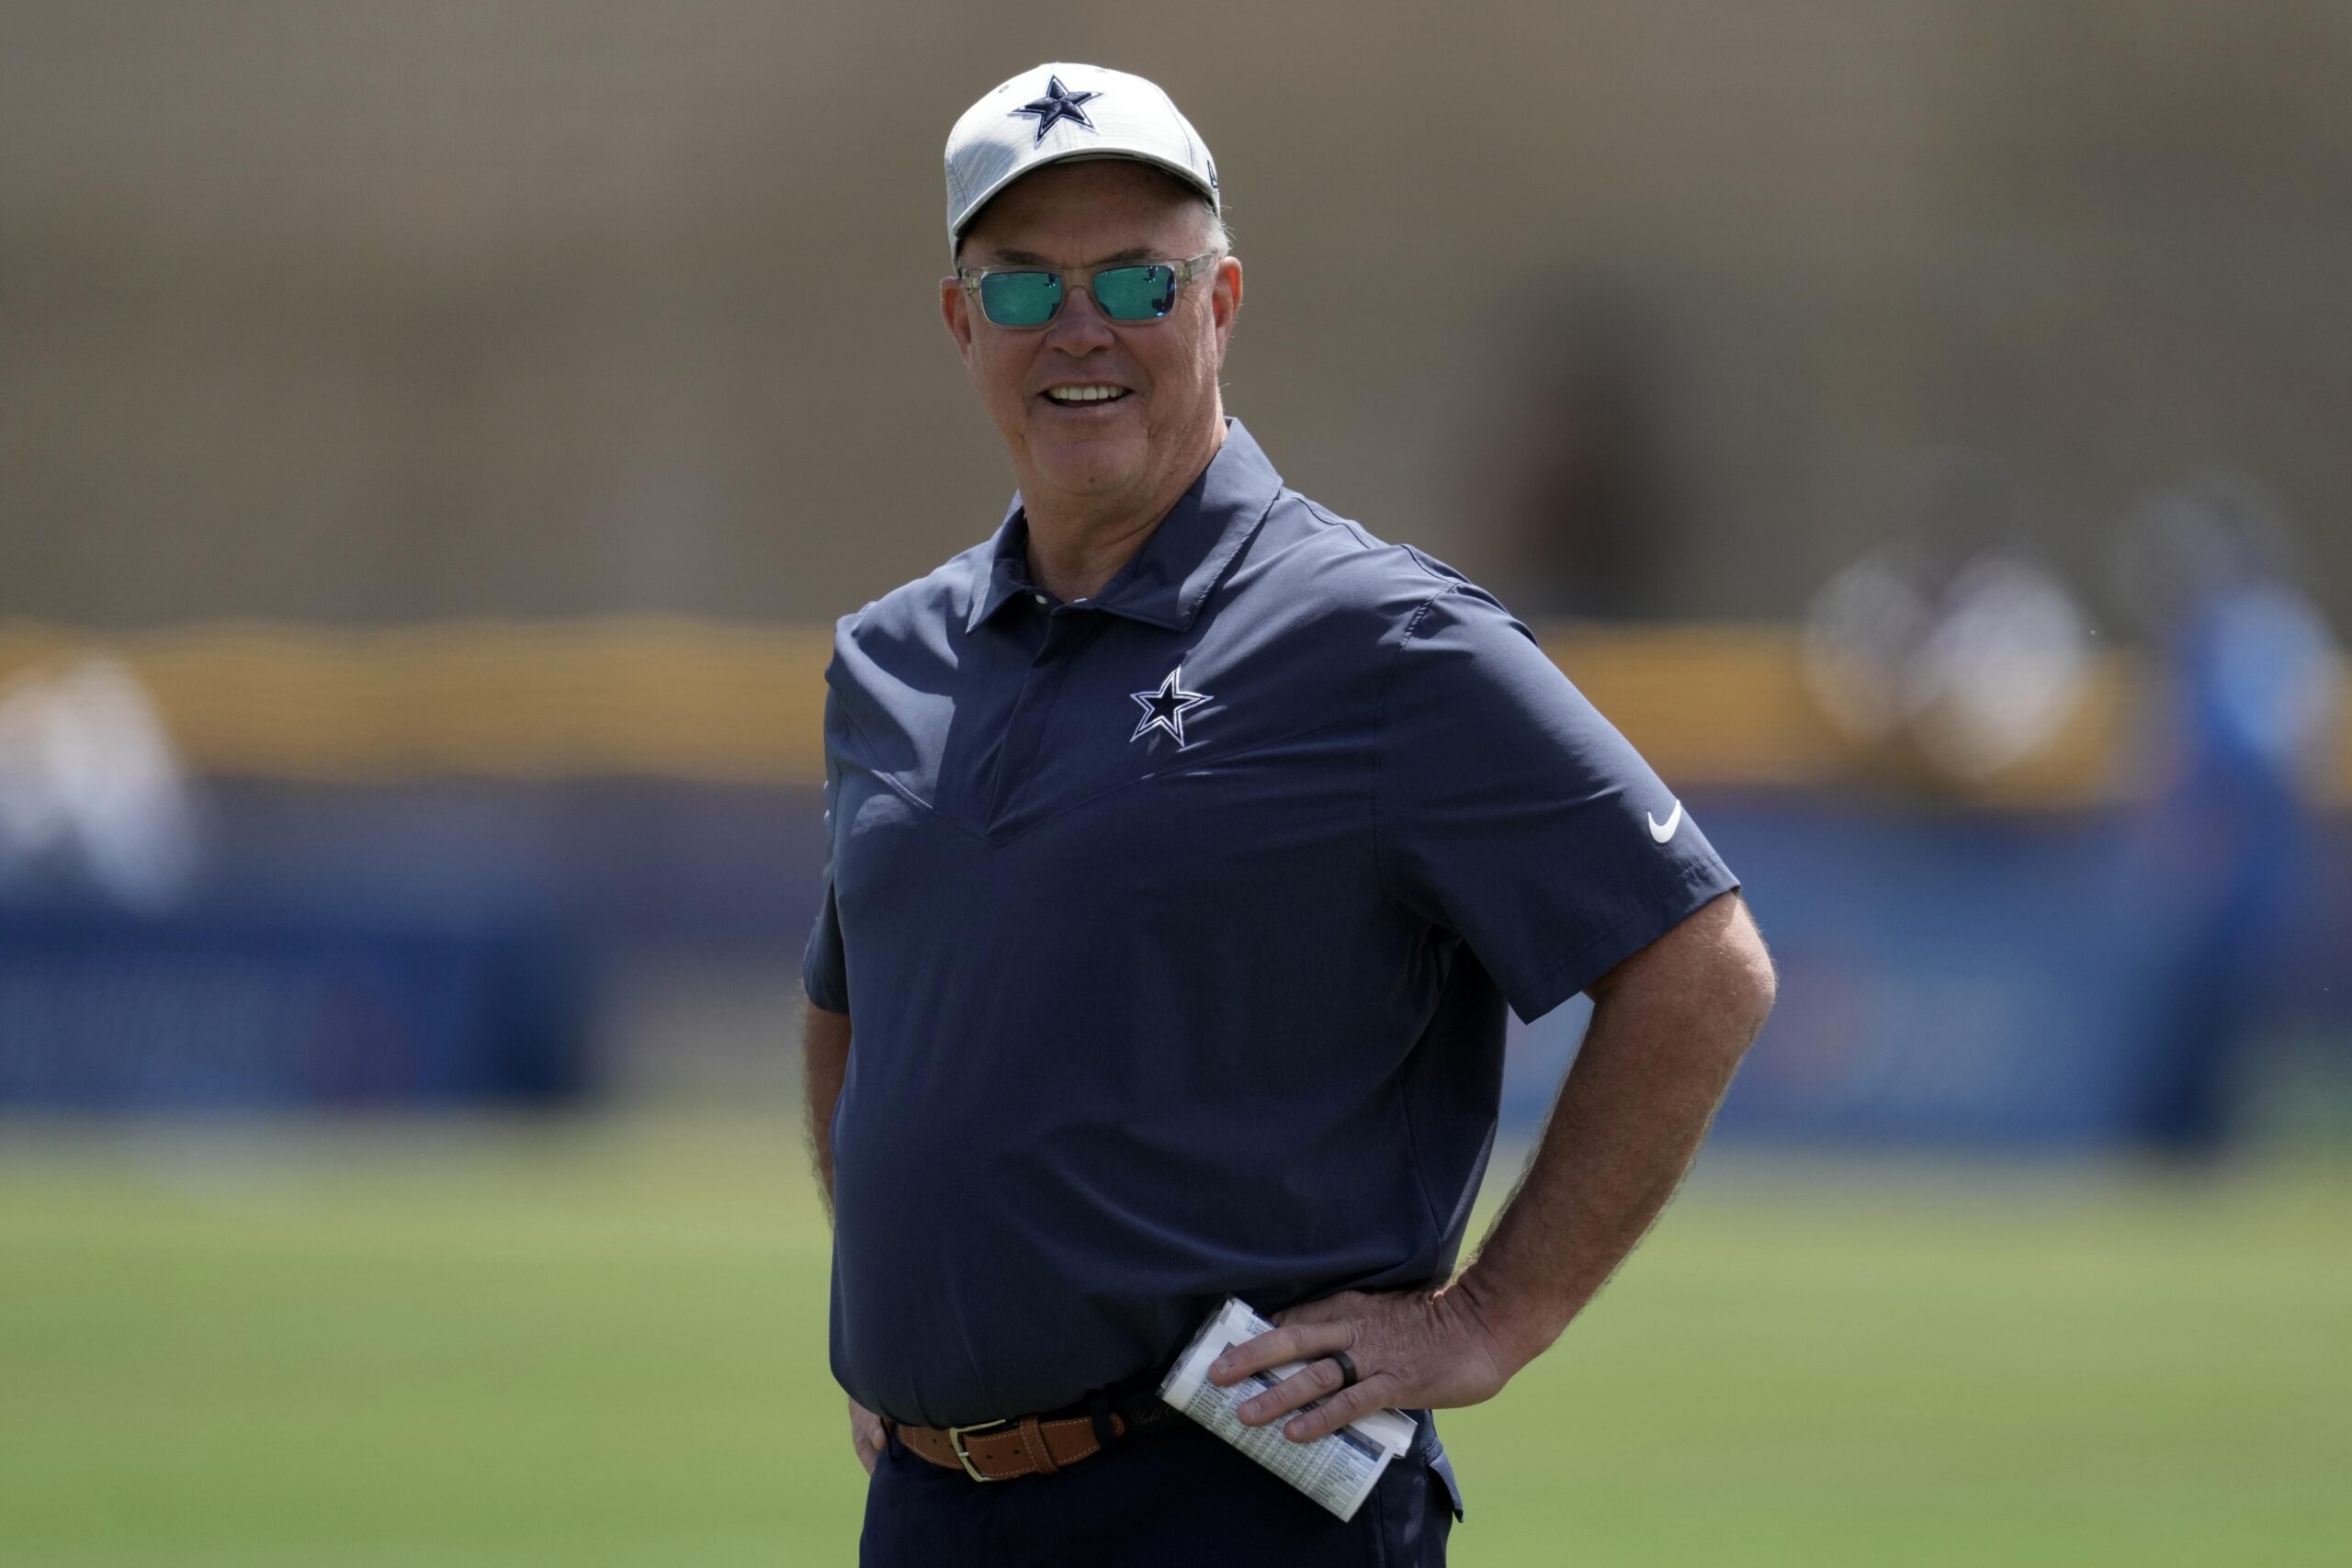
824	970
1510	813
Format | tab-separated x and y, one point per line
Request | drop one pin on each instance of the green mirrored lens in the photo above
1021	299
1136	293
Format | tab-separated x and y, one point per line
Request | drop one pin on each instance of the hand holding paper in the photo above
1338	1470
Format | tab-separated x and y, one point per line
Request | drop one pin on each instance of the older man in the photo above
1187	844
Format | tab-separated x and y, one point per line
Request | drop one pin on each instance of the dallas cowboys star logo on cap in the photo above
1165	708
1058	105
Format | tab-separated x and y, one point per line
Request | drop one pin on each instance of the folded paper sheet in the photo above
1337	1469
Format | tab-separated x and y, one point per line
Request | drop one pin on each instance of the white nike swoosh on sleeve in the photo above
1662	831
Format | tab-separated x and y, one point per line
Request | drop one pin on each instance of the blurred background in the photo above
437	438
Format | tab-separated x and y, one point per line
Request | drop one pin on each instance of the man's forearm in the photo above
1668	1030
824	1050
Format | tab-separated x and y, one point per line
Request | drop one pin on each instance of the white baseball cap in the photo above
1054	114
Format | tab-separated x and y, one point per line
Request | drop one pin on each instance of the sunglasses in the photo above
1140	291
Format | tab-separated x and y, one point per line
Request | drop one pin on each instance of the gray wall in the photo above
404	310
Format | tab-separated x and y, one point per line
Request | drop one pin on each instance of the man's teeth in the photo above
1085	394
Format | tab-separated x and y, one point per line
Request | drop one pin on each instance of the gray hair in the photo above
1220	232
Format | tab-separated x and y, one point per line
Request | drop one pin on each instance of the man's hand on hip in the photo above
1411	1349
865	1435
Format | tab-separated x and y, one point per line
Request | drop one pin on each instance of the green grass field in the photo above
602	1342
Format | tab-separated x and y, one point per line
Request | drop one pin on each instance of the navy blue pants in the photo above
1171	1494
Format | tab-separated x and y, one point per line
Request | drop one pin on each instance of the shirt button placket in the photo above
1067	632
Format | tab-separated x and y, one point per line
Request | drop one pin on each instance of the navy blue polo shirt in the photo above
1176	927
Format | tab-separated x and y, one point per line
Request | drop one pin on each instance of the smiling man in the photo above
1188	843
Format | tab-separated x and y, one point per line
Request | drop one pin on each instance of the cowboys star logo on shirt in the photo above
1165	710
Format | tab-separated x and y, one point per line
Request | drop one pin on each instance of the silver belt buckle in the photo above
955	1441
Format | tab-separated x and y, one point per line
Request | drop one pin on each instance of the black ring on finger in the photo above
1348	1378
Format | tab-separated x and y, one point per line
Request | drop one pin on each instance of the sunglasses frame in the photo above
1186	270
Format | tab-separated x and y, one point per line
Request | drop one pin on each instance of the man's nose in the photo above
1079	327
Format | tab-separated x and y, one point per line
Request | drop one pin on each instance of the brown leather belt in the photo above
1026	1445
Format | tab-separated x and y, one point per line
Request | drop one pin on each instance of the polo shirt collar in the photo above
1170	576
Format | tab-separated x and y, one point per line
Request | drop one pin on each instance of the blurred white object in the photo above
1951	636
2003	665
1859	636
88	778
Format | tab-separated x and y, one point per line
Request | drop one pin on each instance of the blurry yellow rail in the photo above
1707	704
513	700
1727	704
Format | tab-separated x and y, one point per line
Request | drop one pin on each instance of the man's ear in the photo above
956	309
1224	300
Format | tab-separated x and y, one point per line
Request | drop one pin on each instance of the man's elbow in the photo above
1714	970
1709	980
1750	984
